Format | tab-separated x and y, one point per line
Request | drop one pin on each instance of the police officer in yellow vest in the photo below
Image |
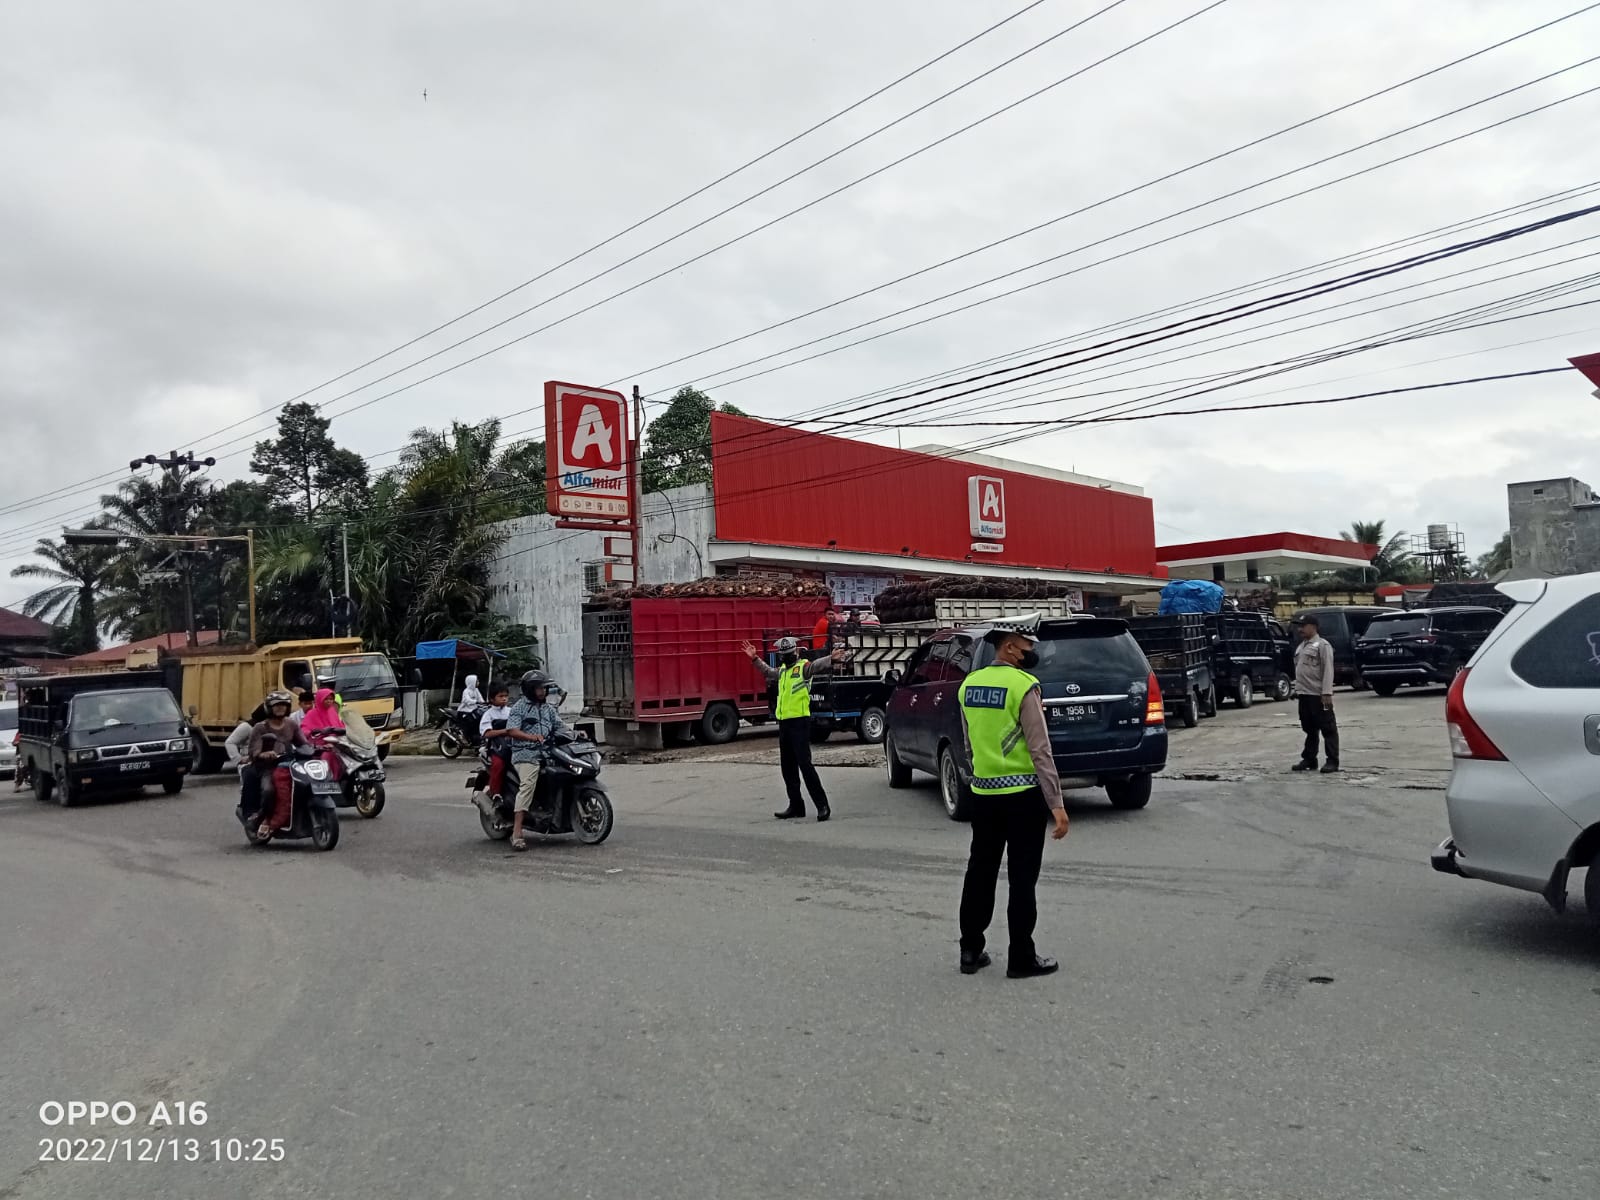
1015	791
793	676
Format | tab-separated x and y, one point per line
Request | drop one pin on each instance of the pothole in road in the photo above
1319	978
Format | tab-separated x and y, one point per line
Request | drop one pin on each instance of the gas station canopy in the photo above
1247	559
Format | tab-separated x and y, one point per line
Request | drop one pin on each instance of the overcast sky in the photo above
210	208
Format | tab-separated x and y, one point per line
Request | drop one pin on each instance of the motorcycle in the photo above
361	780
570	797
459	730
312	812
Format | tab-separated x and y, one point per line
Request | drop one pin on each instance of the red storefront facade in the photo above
864	506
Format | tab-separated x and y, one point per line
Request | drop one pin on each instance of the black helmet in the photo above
534	680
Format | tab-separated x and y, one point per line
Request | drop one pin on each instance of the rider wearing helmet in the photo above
533	721
270	741
793	676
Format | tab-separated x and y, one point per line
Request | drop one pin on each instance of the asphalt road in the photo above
1266	993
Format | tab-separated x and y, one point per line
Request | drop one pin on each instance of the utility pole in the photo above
344	533
175	466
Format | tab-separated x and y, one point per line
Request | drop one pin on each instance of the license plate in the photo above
1391	653
1074	714
133	766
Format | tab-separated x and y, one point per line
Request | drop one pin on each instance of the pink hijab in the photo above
324	715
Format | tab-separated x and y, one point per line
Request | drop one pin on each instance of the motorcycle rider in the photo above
532	722
270	742
499	740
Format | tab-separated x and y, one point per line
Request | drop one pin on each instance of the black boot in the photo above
790	814
1305	764
973	961
1031	965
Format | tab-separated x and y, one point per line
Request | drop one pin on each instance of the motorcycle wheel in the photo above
324	828
449	744
592	817
369	800
493	829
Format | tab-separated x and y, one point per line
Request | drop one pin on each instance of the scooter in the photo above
361	779
459	731
312	812
570	797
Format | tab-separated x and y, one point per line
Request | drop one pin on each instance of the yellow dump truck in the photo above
218	690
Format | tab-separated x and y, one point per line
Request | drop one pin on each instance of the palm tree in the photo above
1392	561
79	577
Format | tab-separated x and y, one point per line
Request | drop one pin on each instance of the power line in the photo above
1122	195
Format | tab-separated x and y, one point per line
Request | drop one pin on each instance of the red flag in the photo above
1589	364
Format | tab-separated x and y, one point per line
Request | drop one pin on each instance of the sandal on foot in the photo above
519	843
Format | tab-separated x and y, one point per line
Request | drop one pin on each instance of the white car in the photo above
1524	721
8	730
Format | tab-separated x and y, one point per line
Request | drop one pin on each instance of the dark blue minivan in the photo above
1101	704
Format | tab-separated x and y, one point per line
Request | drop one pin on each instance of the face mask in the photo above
789	660
1029	660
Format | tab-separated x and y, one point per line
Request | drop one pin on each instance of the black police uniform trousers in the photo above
794	758
1315	718
1013	825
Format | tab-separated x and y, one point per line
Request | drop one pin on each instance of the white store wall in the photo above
538	578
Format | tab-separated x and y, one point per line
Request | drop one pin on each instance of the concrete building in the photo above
1555	528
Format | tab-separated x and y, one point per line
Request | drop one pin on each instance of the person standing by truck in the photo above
793	676
1313	684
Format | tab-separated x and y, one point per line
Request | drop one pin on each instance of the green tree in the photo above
1392	563
1497	559
77	578
678	443
304	467
465	465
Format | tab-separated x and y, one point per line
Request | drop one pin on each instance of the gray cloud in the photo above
212	207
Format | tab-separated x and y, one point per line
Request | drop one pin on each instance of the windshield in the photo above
1398	625
1092	654
101	710
8	718
360	676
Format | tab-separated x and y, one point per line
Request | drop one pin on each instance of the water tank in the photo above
1439	538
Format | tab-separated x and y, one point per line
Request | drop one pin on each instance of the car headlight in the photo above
178	744
83	756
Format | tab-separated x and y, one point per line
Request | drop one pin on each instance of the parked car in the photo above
1425	645
1101	700
1524	725
95	733
1340	626
8	731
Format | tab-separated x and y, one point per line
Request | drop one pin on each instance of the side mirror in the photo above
194	711
892	678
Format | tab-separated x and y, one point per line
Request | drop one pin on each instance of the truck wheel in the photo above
718	725
953	789
1244	692
1191	710
1591	891
1130	793
383	751
1282	686
197	756
820	732
172	786
66	794
869	728
1386	688
43	784
899	773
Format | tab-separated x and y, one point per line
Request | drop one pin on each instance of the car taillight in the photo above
1467	740
1154	713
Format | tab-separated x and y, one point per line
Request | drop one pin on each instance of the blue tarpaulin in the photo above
1191	596
451	648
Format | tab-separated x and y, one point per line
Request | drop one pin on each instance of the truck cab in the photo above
82	735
